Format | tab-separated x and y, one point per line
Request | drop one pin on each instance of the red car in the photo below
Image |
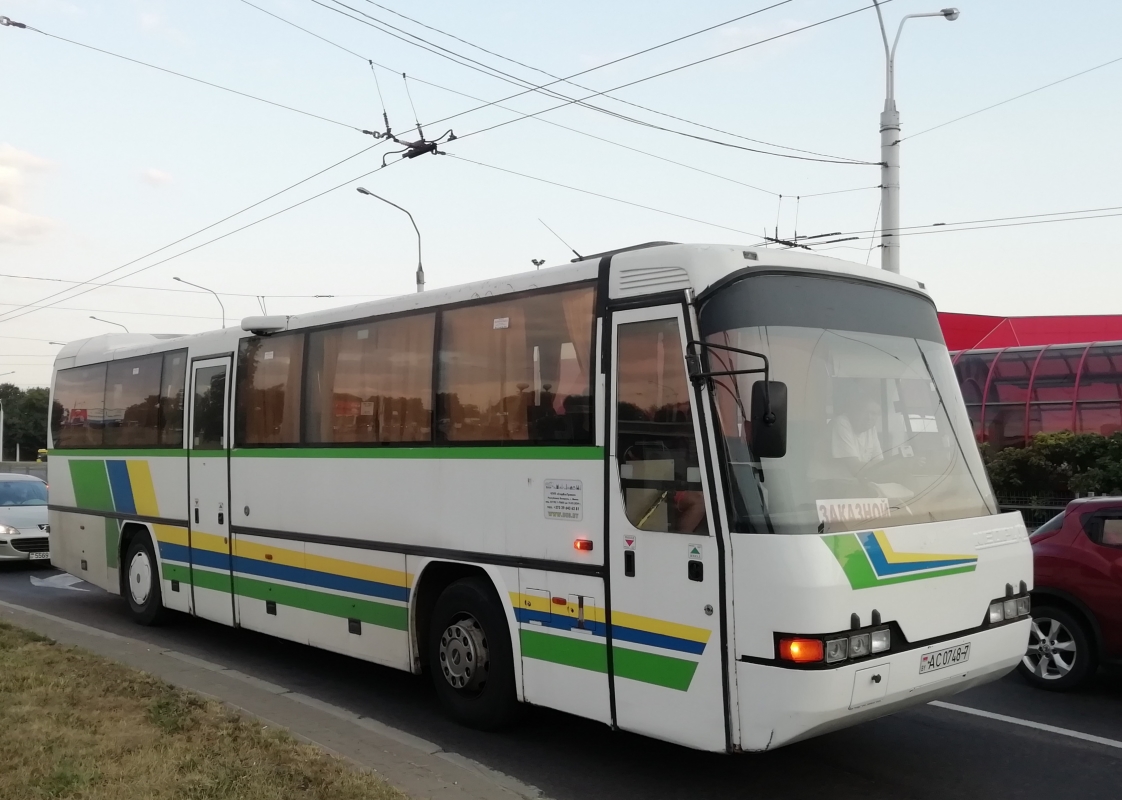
1077	599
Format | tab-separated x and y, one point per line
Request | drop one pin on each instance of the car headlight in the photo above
8	530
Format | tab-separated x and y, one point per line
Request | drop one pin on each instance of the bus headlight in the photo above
997	613
882	640
860	645
836	650
1024	606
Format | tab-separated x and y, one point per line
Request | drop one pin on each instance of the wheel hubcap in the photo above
463	655
1051	650
140	577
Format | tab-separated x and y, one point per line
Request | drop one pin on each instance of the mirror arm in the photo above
697	374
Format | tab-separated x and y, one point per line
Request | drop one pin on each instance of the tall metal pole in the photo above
420	269
890	145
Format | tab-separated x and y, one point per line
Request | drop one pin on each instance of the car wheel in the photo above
1060	655
142	581
470	656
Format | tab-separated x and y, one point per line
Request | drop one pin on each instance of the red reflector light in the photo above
583	544
801	651
559	601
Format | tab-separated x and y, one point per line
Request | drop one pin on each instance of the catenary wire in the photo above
211	241
493	72
1011	99
695	63
498	104
940	228
187	291
603	196
991	219
7	315
196	80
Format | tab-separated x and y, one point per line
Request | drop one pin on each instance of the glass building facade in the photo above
1014	393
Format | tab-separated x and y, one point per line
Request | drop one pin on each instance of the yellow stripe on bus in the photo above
143	491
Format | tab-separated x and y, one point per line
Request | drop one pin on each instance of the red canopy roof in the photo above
980	332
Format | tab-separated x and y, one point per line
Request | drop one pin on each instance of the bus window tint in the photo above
78	412
517	370
268	396
210	402
371	382
132	402
171	398
655	442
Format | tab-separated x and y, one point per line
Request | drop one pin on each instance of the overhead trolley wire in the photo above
494	72
1011	99
9	314
609	96
184	291
196	80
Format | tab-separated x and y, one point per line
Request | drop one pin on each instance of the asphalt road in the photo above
925	752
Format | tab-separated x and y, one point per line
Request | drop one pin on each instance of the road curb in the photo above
414	765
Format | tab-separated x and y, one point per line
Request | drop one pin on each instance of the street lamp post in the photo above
110	322
216	297
420	269
890	145
2	374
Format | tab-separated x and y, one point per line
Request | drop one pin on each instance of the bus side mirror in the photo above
769	425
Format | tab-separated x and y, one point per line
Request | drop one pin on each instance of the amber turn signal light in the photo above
583	544
801	651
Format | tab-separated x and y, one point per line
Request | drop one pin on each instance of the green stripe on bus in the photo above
579	653
673	673
465	452
855	564
513	453
91	485
132	452
381	614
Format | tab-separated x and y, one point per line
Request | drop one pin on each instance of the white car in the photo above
24	531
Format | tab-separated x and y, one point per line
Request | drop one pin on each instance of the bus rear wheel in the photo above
470	656
142	581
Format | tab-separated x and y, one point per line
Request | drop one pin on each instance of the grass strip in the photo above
76	725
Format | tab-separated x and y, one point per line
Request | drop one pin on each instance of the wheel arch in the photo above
436	576
129	532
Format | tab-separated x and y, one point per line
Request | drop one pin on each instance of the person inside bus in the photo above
853	440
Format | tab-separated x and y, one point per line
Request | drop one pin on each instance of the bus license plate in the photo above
37	556
948	657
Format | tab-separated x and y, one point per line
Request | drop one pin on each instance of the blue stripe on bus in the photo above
325	580
558	621
249	566
121	486
657	640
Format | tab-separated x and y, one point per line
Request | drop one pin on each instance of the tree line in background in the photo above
25	421
1057	466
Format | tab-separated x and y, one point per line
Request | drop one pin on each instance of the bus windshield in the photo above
877	434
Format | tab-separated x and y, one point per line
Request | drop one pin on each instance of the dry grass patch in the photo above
73	724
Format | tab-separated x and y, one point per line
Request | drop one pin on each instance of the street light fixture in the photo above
216	297
420	269
111	322
890	144
2	374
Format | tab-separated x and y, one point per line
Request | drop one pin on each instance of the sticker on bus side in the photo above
564	500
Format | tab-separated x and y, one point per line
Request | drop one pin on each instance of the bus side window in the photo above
655	444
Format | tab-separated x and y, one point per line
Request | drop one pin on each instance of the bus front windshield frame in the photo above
877	433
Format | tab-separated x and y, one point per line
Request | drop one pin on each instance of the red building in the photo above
1023	375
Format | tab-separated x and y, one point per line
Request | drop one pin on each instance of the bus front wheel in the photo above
142	581
470	656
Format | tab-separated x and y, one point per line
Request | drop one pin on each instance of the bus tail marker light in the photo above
583	544
801	651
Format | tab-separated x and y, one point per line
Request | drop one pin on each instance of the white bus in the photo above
722	496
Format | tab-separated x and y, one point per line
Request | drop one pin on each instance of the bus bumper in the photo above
779	706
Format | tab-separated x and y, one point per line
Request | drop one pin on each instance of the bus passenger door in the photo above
208	486
666	613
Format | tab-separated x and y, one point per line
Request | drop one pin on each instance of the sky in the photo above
103	161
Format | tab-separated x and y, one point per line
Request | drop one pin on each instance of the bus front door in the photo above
208	489
666	614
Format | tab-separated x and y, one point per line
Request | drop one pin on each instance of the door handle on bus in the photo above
221	518
629	563
196	515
